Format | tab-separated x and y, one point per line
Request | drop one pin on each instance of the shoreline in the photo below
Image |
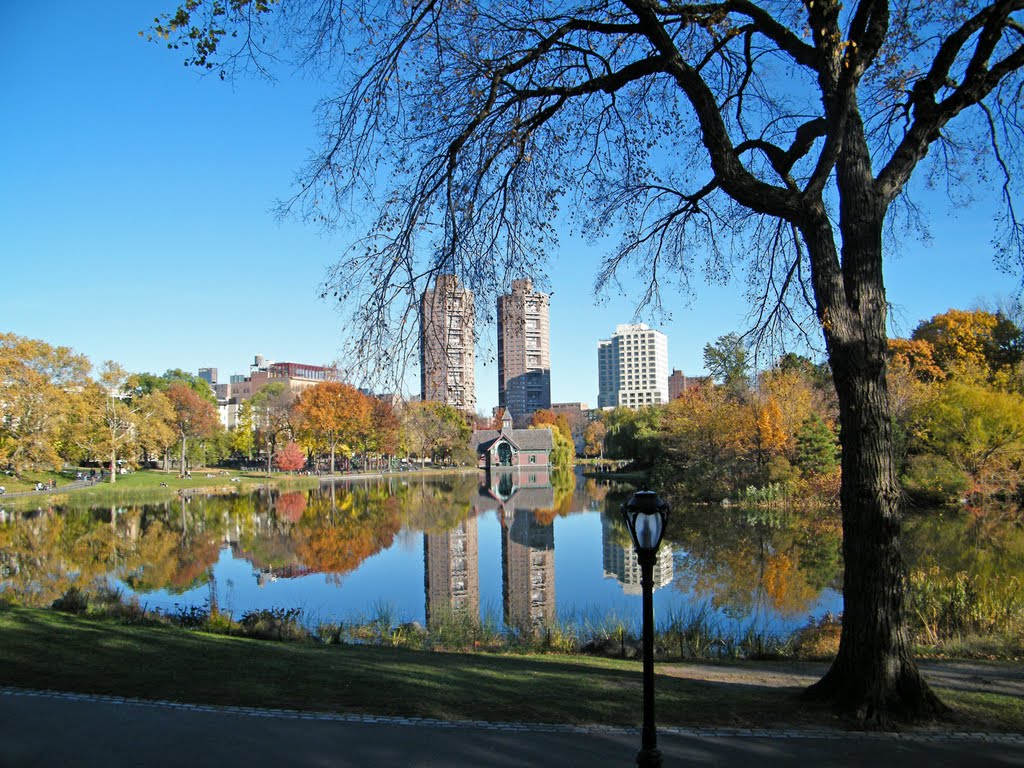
167	486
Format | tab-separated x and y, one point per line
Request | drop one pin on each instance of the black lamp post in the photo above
646	514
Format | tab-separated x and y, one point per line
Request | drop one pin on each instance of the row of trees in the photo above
956	386
53	412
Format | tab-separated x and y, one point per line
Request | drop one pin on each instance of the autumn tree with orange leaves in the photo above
194	416
333	413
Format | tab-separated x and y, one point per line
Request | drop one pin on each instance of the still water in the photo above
524	550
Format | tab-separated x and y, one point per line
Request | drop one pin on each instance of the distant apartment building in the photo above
632	368
524	351
294	376
568	408
679	382
209	375
447	344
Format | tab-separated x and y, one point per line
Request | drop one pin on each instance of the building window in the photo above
533	458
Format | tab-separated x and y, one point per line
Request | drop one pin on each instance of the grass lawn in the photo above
147	485
51	650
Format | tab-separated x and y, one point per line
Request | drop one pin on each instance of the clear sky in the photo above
135	218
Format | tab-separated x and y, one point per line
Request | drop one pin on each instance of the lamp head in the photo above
645	514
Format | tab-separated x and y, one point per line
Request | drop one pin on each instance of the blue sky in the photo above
135	218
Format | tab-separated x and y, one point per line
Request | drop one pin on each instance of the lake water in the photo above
525	550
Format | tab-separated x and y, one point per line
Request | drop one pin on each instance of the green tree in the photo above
817	449
146	383
563	450
271	416
726	361
633	435
980	430
435	431
682	128
243	435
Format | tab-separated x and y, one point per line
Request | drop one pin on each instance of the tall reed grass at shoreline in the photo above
951	616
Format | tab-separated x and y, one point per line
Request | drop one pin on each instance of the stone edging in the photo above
1014	739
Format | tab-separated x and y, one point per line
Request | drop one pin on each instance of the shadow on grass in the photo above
49	650
46	649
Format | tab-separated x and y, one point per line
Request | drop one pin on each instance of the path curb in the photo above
835	734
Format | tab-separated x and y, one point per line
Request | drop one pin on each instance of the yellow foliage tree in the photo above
35	379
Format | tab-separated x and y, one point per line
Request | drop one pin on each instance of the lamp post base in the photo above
649	757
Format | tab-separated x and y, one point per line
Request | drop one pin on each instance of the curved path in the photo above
50	729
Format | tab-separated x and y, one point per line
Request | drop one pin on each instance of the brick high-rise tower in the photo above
524	351
447	344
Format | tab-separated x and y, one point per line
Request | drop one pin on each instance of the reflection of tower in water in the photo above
451	570
620	561
528	571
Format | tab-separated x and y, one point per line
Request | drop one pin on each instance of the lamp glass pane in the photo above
648	530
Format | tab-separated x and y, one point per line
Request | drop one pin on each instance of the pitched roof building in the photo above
508	447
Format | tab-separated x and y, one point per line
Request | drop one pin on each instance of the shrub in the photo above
931	479
189	617
818	639
72	601
274	624
943	608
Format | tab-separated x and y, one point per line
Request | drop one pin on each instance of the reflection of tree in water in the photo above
290	506
438	507
987	544
563	483
335	535
148	548
749	559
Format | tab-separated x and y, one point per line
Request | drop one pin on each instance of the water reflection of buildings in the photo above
451	572
620	561
528	571
527	545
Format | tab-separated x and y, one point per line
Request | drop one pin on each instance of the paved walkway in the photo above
984	677
49	729
74	485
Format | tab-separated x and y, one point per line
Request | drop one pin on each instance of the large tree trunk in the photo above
874	676
113	466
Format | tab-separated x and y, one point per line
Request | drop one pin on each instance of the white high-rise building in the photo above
632	367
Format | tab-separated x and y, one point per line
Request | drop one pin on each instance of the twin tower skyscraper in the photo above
447	345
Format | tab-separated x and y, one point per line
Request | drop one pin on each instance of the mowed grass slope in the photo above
52	650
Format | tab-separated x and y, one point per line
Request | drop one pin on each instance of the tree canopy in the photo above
758	135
